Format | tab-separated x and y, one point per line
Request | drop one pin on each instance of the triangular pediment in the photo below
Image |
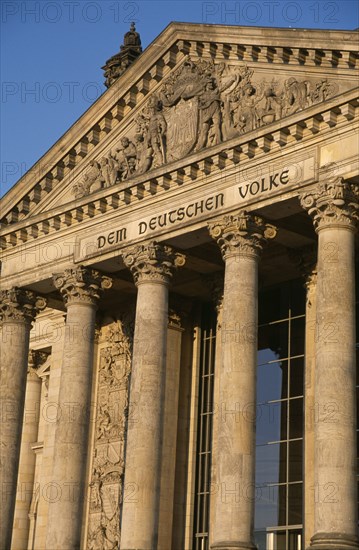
195	87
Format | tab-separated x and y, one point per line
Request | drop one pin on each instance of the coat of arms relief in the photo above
201	104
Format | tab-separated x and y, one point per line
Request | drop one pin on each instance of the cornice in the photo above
300	127
335	49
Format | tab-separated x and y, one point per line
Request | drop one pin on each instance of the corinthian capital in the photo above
152	262
81	285
19	305
241	233
332	202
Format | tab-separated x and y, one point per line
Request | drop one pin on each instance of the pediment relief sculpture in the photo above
201	104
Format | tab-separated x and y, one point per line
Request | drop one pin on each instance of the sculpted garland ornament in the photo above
200	104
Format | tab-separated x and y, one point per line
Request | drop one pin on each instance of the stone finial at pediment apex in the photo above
199	105
119	63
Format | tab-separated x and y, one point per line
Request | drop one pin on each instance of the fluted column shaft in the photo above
81	290
152	266
334	208
241	238
17	311
27	459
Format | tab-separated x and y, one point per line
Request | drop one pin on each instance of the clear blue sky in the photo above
52	53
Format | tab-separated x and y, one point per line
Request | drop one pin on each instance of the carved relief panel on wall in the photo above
199	105
107	474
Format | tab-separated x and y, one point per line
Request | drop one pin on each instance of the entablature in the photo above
323	53
312	127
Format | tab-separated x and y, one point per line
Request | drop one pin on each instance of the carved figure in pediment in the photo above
295	96
125	157
228	82
322	90
144	154
272	109
210	115
108	167
246	114
91	182
156	132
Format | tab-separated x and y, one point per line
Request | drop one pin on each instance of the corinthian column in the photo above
152	267
81	289
241	238
333	205
17	311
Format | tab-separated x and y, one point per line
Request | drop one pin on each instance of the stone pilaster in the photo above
81	289
18	309
333	205
241	238
152	266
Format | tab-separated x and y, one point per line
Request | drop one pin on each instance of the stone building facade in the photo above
178	305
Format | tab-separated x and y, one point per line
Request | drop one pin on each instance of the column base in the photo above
233	545
334	541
